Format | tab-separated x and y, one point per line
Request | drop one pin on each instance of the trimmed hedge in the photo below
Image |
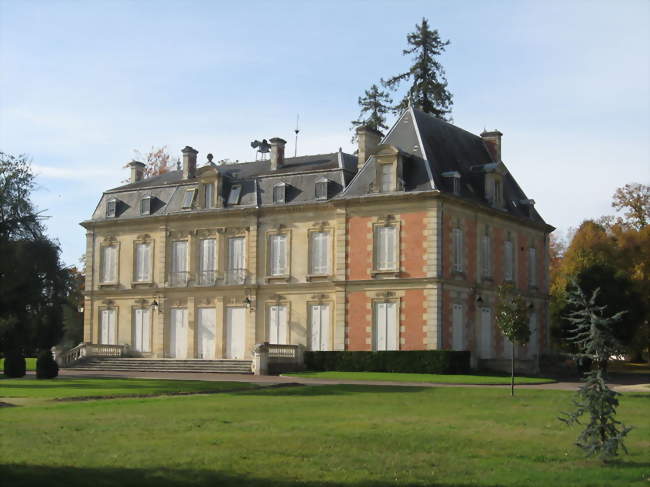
416	361
46	367
14	365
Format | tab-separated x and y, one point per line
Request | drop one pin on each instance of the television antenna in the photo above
262	147
297	131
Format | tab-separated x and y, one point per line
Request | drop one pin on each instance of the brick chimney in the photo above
493	142
368	139
189	162
277	152
137	171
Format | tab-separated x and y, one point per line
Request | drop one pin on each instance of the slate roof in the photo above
429	147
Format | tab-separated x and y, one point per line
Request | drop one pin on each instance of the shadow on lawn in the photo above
296	389
29	475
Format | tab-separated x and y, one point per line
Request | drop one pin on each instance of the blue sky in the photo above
83	84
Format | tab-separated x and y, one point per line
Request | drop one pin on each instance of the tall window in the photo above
208	195
385	248
207	261
386	183
188	198
321	189
385	336
233	196
107	327
457	241
319	329
236	272
141	330
279	193
142	262
278	333
111	208
532	266
486	268
278	255
319	253
108	272
509	260
145	205
179	271
457	327
497	192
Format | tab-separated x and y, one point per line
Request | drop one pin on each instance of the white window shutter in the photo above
392	335
380	327
457	327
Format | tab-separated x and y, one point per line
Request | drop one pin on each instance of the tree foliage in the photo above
512	317
426	77
375	104
157	161
634	198
603	435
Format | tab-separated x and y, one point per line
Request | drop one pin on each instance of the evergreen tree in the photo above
428	84
603	435
374	105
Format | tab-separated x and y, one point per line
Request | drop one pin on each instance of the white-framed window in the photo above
141	330
508	260
385	247
145	205
319	253
142	262
532	266
386	183
278	325
385	330
108	326
236	265
108	271
207	261
188	198
321	189
279	193
455	182
498	195
208	195
234	195
278	250
486	264
319	327
457	242
179	263
111	208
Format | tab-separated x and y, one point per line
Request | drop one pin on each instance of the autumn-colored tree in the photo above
157	161
634	198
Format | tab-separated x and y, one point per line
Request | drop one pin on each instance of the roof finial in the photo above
297	130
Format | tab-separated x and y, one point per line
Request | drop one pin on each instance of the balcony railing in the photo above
235	276
207	278
179	278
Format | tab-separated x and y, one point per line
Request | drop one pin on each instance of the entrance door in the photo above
178	333
278	325
320	327
235	332
206	332
385	335
108	330
486	333
457	327
142	330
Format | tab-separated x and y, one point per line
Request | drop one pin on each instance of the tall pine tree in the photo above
375	104
428	84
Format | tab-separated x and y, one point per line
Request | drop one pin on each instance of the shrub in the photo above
46	367
14	365
416	361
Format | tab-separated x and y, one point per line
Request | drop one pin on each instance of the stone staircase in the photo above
223	366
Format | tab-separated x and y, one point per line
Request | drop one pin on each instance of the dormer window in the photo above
188	198
454	176
321	189
145	205
279	193
234	195
111	208
498	194
208	195
386	183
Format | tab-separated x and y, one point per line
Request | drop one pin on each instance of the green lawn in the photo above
30	364
435	378
311	436
80	388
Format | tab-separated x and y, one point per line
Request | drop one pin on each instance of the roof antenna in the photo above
295	150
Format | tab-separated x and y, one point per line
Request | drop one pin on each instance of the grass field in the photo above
30	364
307	436
435	378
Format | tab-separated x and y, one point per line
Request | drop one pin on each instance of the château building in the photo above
399	247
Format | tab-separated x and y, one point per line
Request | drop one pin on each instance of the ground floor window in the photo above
319	330
385	330
107	327
278	325
141	330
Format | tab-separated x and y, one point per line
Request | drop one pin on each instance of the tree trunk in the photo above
512	371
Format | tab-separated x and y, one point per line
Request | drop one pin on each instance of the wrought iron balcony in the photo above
179	278
207	278
235	276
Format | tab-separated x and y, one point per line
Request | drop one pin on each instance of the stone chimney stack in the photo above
189	162
277	153
493	142
137	171
368	140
